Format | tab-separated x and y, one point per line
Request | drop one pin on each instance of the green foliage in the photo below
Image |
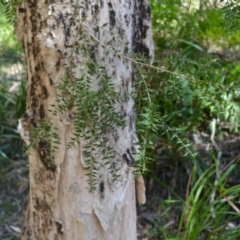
10	51
202	215
192	86
231	14
10	9
12	105
95	116
93	109
197	82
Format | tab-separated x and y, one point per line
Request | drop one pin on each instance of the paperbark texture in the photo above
60	205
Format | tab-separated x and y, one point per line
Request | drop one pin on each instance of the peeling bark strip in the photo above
60	206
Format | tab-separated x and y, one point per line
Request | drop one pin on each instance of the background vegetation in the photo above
188	124
191	113
13	163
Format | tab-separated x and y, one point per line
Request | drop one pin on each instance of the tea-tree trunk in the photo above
79	125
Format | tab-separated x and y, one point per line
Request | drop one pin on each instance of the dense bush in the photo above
195	94
199	82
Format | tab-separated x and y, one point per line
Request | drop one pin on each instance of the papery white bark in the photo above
60	205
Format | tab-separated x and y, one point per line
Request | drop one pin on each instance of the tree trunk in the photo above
75	193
